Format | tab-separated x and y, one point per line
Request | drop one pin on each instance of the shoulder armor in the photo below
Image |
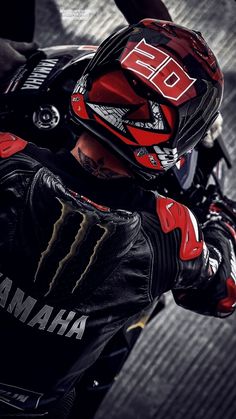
10	144
173	215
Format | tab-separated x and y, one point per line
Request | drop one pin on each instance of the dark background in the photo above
184	366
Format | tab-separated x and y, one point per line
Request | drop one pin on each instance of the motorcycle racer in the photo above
85	244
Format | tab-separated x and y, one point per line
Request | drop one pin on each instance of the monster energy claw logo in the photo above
84	242
88	221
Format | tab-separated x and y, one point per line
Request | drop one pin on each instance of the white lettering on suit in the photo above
29	311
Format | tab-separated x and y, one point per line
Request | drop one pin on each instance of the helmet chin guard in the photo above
150	93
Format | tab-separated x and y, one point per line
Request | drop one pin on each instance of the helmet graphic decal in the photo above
162	71
118	117
81	85
111	114
158	158
167	156
158	123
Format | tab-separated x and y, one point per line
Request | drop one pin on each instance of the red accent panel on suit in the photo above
227	305
94	204
10	144
174	215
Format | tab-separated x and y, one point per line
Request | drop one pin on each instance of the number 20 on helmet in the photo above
150	93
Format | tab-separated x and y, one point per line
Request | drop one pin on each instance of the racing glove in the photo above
217	295
220	232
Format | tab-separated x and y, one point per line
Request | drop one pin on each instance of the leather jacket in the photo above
73	271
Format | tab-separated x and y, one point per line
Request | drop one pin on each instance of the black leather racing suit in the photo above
73	271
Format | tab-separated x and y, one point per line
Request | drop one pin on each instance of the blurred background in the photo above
184	365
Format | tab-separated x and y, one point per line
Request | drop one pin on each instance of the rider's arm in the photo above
197	264
135	10
214	292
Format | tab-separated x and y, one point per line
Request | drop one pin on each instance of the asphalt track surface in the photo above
184	365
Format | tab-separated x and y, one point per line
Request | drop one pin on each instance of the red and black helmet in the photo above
150	92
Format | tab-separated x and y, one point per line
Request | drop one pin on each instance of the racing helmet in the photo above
150	93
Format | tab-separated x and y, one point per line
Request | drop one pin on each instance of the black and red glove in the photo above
220	232
215	292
